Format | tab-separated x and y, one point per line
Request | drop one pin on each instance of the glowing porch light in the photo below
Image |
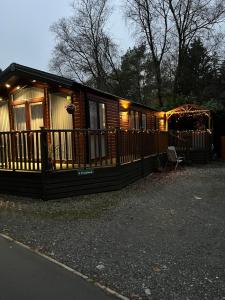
124	103
8	85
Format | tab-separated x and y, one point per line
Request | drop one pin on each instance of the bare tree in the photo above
84	51
151	20
192	18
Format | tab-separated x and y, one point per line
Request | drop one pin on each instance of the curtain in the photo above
97	121
131	120
93	115
28	93
19	117
60	119
4	117
137	120
36	113
144	121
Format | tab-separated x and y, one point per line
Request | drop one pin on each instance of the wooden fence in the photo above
49	150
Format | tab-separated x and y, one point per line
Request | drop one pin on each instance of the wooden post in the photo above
118	140
44	150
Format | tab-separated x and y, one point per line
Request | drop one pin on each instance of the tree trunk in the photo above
159	84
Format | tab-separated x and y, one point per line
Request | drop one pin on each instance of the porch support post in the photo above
44	150
46	113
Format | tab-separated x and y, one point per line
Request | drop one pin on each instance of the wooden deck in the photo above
50	164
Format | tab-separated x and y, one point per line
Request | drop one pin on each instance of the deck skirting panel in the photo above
54	185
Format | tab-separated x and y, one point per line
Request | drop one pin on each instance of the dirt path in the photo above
160	238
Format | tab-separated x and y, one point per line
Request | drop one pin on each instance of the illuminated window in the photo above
144	121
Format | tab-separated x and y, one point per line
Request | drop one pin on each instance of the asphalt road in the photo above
25	275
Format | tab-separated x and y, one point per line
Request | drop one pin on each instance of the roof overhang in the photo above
17	74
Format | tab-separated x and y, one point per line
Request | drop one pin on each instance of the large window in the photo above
97	142
28	109
97	115
131	120
137	120
144	121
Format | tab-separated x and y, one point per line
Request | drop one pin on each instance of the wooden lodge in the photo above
59	138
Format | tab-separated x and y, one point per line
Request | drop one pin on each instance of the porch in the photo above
50	164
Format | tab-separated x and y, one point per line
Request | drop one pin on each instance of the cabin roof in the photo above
14	71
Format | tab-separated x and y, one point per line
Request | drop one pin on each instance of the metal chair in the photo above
173	158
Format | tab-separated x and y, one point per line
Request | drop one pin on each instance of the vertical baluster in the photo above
78	148
66	144
20	152
53	150
24	150
73	144
5	151
95	148
60	150
1	152
8	149
16	150
37	149
100	146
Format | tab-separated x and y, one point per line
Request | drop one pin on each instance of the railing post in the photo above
44	150
118	146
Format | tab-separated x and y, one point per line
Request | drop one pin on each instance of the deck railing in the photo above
193	140
188	142
50	150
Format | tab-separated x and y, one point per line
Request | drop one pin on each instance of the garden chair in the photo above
173	158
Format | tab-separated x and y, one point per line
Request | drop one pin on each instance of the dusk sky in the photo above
25	35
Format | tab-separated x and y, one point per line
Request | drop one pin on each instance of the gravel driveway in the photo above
160	238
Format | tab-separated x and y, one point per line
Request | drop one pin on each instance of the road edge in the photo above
107	290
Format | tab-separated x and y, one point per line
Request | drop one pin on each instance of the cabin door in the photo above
97	121
28	116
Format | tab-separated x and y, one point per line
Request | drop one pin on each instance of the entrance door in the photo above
97	121
28	116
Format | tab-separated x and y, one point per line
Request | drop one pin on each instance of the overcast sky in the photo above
25	37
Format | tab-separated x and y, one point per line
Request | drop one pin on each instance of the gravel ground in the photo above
160	238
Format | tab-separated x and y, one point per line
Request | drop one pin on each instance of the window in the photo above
137	120
97	115
20	117
131	120
144	121
102	118
97	143
4	113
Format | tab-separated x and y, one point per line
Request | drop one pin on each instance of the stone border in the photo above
99	285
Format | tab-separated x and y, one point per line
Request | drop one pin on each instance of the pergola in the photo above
184	110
